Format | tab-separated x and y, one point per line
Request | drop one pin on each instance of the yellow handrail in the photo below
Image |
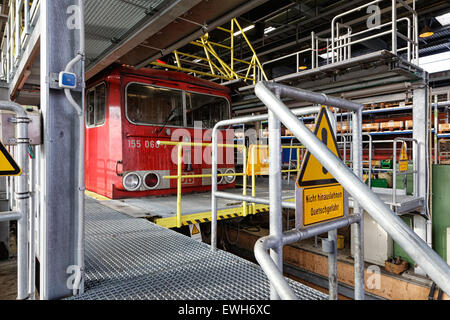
253	174
244	174
180	176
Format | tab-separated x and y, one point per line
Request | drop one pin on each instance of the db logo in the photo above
187	180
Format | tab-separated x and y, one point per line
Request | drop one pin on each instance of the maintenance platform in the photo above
132	258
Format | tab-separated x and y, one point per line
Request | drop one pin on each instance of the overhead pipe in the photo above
197	34
437	269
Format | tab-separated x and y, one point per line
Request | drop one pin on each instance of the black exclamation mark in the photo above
324	140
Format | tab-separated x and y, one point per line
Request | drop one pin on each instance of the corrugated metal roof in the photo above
109	20
441	41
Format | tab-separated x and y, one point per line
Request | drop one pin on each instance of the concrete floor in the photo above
8	280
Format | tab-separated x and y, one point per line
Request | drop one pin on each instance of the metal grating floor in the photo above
166	206
132	258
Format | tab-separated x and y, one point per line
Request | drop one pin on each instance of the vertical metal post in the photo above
358	229
332	266
60	163
275	220
179	173
313	51
394	26
22	195
394	173
254	175
32	249
416	35
370	161
421	120
436	129
420	125
316	63
26	18
17	32
214	190
416	168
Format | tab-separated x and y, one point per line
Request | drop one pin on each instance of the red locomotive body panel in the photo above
129	111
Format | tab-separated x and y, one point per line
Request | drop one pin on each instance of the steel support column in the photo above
60	42
276	223
421	118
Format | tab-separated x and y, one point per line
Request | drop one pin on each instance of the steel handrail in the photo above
22	192
224	123
415	169
437	269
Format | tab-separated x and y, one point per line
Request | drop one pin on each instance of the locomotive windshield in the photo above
149	105
205	108
153	105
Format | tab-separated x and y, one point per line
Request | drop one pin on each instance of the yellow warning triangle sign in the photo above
312	172
404	154
8	167
195	230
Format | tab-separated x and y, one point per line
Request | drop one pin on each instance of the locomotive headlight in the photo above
219	178
231	178
151	180
131	181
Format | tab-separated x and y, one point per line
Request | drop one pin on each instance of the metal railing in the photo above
364	197
415	170
420	252
21	211
277	239
22	18
245	174
338	47
341	44
179	177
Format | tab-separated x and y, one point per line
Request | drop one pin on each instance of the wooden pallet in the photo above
310	126
391	125
408	124
341	128
444	127
371	127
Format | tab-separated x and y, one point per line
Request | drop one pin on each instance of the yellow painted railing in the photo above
180	175
245	174
253	161
218	66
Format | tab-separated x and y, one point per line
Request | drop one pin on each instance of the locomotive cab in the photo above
129	116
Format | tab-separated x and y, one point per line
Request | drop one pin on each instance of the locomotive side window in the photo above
96	106
150	105
206	108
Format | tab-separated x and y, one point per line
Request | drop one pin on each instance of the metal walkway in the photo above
132	258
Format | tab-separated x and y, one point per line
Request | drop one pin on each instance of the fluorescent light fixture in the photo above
268	29
197	60
435	62
444	19
327	55
250	27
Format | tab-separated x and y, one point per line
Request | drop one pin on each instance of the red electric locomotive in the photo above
128	111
